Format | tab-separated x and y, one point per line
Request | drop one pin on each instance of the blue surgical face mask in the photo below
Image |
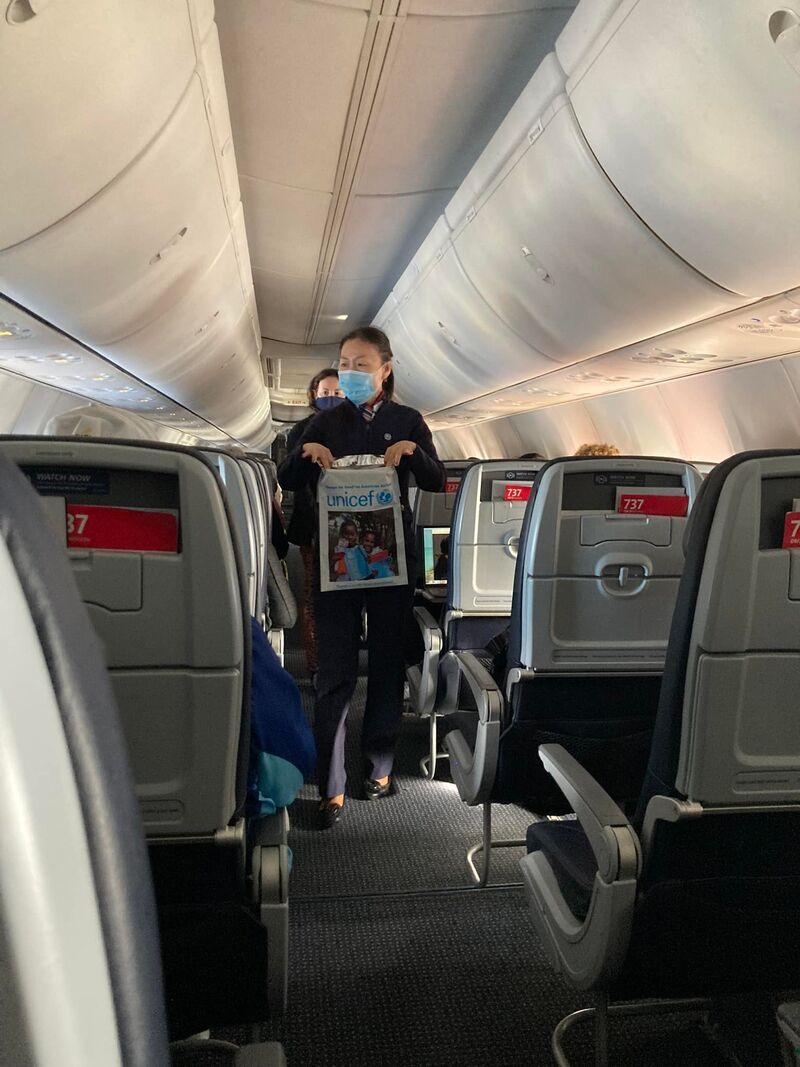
325	403
357	385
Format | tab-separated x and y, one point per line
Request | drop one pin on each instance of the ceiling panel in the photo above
452	82
289	67
379	235
354	296
284	226
284	304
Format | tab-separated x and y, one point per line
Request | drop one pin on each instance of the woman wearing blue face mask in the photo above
323	394
369	422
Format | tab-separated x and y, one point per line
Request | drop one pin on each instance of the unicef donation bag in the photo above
361	544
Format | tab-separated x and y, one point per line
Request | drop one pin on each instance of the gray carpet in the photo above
443	981
414	839
391	972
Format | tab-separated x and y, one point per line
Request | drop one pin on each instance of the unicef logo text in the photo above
344	500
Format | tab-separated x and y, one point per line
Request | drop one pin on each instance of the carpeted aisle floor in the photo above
396	961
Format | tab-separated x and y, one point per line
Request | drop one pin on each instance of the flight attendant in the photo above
369	422
323	393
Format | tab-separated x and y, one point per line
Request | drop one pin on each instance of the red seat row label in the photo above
791	530
516	493
90	526
653	504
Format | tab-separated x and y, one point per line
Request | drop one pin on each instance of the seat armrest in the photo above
429	628
613	841
423	679
485	691
269	830
473	771
591	950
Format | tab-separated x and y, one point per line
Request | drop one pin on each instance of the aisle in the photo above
396	961
414	839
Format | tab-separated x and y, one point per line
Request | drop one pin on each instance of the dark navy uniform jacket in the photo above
346	432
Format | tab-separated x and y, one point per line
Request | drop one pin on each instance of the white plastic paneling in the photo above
178	342
135	249
39	353
457	333
356	299
452	80
586	27
289	68
566	264
735	410
692	110
546	85
284	304
638	422
213	79
87	87
372	244
385	315
763	330
285	226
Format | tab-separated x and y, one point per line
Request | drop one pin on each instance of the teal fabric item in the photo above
277	783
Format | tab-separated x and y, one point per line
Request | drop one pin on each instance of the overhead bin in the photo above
510	139
213	78
565	262
134	250
88	87
181	337
587	25
691	108
455	330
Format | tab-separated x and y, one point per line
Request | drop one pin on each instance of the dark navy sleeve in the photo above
427	468
296	472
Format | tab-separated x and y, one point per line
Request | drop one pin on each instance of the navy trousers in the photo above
338	620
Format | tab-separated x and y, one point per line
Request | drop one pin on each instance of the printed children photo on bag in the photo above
361	547
361	529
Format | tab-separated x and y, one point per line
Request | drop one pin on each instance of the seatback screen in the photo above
597	490
435	553
111	510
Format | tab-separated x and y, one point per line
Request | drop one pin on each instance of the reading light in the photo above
341	318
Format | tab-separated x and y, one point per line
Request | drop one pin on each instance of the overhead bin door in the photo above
451	327
88	86
691	108
136	248
566	263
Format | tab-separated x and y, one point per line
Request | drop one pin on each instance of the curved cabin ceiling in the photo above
122	235
562	218
355	122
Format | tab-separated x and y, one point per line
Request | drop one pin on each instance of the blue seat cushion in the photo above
566	846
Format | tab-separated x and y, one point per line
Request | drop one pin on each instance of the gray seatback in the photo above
740	742
490	507
436	509
244	520
80	975
171	623
599	586
260	509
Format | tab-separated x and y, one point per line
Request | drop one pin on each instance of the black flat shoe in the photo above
374	791
328	815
